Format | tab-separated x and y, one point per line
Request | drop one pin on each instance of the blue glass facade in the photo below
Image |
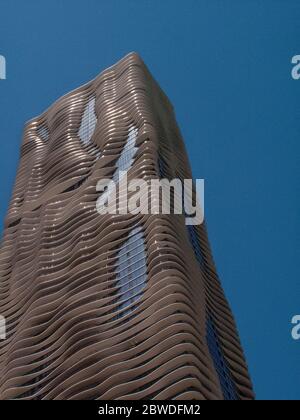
195	244
162	167
227	384
215	349
222	369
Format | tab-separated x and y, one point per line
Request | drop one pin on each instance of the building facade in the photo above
110	306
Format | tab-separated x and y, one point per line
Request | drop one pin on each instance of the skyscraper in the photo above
110	306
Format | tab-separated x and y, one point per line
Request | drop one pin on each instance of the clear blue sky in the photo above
226	67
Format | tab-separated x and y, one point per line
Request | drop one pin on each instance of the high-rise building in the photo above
110	306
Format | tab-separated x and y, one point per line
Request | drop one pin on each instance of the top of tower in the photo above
132	58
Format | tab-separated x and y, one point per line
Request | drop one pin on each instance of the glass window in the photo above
222	369
131	269
215	349
88	122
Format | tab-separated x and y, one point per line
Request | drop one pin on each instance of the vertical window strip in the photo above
124	162
88	122
226	381
195	244
215	349
126	159
131	269
43	132
162	167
